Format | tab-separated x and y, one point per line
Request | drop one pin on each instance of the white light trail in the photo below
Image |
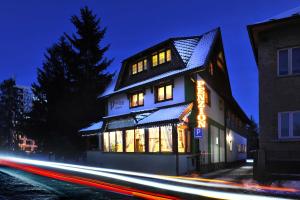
165	186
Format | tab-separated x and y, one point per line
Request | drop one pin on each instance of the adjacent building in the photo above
171	110
276	47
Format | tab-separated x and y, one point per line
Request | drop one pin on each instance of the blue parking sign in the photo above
198	133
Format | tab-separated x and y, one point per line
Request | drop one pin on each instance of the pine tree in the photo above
69	83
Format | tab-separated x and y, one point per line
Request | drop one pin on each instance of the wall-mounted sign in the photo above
201	117
116	104
198	133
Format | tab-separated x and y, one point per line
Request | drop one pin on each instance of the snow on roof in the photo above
93	127
165	114
290	13
201	51
185	47
197	59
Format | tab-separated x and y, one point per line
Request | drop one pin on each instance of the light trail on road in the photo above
89	182
159	185
179	179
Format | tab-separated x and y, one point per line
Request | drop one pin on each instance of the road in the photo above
39	180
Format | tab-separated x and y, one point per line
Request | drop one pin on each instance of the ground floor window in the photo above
129	140
139	140
183	139
135	140
166	142
155	139
113	141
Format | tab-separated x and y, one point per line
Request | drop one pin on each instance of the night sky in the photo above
29	27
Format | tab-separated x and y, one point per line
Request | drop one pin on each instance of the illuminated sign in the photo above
201	117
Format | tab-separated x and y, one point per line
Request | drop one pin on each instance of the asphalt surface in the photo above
17	184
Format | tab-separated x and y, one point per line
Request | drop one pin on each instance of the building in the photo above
27	145
276	47
165	98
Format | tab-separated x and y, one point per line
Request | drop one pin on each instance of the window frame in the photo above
115	141
165	89
291	125
290	61
136	63
138	96
158	59
208	93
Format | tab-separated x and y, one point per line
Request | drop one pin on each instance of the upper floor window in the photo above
139	66
207	97
289	124
288	61
137	99
164	93
161	57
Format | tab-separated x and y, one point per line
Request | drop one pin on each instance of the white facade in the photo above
234	143
142	134
118	104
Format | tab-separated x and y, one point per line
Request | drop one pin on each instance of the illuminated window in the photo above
162	58
207	97
129	141
145	64
139	140
113	141
166	142
161	93
119	141
134	69
169	92
106	142
165	93
141	98
154	139
168	55
154	60
139	66
181	140
137	99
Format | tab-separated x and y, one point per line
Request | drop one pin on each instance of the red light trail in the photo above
88	182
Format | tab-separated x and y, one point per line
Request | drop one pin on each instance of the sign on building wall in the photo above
116	104
198	133
201	117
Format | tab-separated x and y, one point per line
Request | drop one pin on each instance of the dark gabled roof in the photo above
269	22
194	52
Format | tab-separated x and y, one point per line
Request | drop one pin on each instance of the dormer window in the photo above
139	66
161	57
136	99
